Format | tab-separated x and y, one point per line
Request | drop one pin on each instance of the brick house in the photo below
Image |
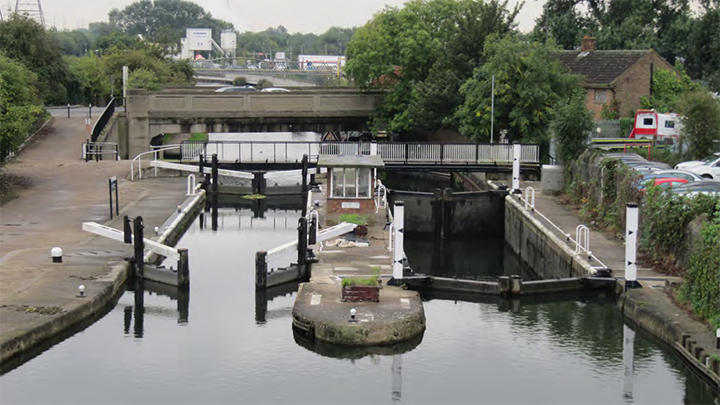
623	76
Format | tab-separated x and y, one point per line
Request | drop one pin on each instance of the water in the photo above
487	352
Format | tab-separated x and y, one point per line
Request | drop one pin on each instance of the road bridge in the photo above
177	110
278	78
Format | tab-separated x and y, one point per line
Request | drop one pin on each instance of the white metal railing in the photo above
582	233
153	152
380	196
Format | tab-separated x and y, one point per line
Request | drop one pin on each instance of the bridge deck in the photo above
395	155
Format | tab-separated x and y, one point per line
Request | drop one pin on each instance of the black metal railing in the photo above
103	120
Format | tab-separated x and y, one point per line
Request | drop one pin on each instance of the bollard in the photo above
631	228
515	285
68	110
261	270
352	315
183	272
56	253
139	247
399	248
504	285
81	291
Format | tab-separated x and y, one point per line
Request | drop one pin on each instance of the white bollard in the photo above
398	249
56	253
631	229
628	361
516	167
81	291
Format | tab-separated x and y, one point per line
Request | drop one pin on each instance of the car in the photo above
232	89
679	174
708	168
663	182
709	187
275	90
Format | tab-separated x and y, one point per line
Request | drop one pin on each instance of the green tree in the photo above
74	43
529	82
19	105
571	126
701	122
667	89
704	48
88	81
421	54
143	78
164	21
25	40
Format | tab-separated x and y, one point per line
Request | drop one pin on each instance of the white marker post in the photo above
124	80
628	361
631	228
398	249
516	168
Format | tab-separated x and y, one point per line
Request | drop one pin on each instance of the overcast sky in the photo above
306	16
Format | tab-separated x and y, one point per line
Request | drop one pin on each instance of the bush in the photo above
239	81
263	83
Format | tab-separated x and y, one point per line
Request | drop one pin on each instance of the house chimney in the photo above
588	44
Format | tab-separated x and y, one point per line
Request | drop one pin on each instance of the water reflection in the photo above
262	297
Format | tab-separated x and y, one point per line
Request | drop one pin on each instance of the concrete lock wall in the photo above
452	214
186	110
538	247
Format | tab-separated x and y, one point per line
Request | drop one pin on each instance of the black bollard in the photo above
261	270
139	247
302	242
214	173
261	307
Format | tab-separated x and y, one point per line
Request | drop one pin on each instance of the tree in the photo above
25	40
143	78
19	105
701	122
529	82
421	54
571	126
667	89
164	20
704	49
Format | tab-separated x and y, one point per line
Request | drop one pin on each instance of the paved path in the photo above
66	191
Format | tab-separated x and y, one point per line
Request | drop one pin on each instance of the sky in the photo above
306	16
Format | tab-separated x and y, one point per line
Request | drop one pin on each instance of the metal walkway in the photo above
396	155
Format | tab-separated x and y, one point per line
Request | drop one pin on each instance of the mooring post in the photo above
139	244
504	285
302	243
399	251
515	285
214	173
261	270
628	361
312	236
304	174
631	229
261	307
183	270
516	167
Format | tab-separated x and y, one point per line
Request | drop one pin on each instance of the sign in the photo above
351	205
199	39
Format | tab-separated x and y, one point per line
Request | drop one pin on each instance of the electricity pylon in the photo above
30	8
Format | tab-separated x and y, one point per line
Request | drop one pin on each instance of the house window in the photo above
601	96
350	182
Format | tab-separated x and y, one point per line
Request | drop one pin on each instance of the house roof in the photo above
600	68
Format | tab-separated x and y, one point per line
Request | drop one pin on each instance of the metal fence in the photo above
391	152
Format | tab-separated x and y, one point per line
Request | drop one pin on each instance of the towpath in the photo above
38	297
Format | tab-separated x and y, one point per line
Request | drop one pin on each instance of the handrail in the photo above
103	120
580	233
139	159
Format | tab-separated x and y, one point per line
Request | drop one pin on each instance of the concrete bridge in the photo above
177	110
279	79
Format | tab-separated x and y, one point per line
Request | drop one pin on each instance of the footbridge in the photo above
468	157
177	110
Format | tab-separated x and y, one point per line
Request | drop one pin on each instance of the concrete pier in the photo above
319	314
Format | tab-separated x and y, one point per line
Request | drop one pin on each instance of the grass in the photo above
353	219
371	281
199	136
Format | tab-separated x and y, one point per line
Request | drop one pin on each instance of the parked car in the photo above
679	174
663	182
275	90
708	168
709	187
231	89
